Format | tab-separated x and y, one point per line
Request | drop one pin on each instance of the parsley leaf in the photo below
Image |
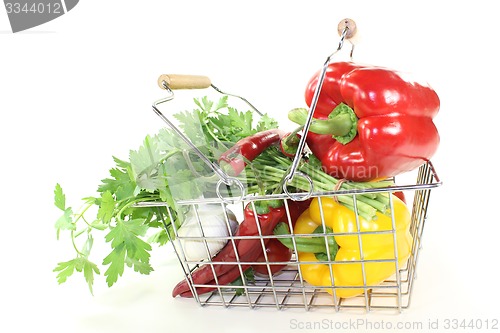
241	121
106	208
65	222
163	169
265	123
127	245
116	262
190	123
249	278
59	198
122	182
145	164
80	264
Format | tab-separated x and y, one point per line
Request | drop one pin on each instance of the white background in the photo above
78	90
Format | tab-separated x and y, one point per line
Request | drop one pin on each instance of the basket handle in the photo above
347	30
181	81
170	82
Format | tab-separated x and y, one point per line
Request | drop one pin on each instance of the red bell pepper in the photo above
370	122
269	214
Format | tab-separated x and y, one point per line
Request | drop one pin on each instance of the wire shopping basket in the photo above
352	282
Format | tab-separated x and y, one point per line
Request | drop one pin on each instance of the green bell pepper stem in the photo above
315	244
341	123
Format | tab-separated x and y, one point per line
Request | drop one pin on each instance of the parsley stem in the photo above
367	203
73	241
130	203
81	214
213	135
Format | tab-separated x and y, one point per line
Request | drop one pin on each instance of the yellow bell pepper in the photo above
375	246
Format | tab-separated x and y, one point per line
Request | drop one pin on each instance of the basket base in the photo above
286	291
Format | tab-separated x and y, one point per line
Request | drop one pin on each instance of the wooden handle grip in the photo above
351	28
180	81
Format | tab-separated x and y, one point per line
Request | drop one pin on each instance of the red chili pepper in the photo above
247	149
289	144
370	122
269	214
275	250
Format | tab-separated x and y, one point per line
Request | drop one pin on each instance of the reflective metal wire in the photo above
290	290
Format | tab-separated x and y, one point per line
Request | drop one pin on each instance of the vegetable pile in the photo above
370	125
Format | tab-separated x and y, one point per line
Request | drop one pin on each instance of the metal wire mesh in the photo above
288	289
